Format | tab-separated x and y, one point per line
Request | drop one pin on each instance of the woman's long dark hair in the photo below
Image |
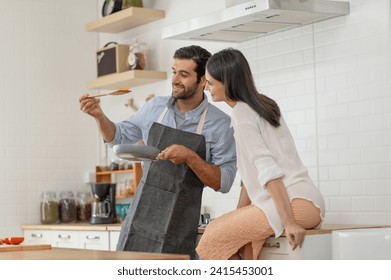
230	67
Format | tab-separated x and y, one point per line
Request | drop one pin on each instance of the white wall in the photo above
331	79
46	143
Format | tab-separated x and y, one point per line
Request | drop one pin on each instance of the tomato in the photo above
16	240
6	240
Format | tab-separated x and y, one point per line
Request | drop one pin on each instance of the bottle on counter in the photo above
49	208
68	208
83	206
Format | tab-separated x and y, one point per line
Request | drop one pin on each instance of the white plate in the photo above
136	152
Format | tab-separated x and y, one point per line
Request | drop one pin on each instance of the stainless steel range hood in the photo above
254	19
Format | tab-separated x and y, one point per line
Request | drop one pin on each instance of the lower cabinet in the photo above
66	239
38	237
114	235
88	239
94	240
314	247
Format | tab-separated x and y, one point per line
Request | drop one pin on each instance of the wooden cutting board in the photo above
24	247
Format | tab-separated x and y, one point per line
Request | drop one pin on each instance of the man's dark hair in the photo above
196	53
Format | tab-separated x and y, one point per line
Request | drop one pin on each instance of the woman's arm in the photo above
293	231
244	200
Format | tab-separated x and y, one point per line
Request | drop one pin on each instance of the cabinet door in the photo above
278	249
38	237
94	240
315	247
66	239
114	235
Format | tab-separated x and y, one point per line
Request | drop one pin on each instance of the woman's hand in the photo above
293	231
295	235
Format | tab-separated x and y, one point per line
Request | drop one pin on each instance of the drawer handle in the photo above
271	245
92	237
64	236
36	235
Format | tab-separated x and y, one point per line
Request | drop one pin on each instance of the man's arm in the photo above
208	173
106	128
90	106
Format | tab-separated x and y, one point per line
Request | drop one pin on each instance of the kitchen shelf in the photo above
125	19
128	79
103	176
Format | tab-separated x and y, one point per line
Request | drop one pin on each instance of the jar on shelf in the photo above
68	208
49	209
83	206
136	57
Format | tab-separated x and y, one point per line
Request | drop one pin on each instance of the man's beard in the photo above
184	93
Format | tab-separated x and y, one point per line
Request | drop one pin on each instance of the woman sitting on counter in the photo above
277	193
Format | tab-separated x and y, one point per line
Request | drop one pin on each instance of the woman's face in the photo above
215	87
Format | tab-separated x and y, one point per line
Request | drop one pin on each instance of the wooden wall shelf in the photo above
128	79
103	176
125	19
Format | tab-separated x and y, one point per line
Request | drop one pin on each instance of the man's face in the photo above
184	79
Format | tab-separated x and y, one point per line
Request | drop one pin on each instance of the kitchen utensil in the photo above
117	92
136	152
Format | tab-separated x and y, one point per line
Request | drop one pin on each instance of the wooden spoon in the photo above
117	92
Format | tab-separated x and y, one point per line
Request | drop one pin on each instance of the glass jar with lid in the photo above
49	209
83	206
68	208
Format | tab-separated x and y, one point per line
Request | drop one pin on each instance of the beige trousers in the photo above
246	229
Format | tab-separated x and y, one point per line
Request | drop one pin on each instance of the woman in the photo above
277	193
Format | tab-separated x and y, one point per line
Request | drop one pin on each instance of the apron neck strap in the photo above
162	115
200	123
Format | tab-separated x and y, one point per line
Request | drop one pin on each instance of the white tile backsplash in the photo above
332	80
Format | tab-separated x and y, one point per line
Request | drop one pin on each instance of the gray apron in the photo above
164	215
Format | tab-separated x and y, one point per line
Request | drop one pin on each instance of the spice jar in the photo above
49	208
83	206
68	209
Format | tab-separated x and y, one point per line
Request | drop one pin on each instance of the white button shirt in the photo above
265	153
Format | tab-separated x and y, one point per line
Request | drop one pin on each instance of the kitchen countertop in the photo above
75	226
82	254
324	229
81	226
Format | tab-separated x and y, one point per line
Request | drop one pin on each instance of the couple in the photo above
277	193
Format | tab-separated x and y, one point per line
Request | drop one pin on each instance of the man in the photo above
197	149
